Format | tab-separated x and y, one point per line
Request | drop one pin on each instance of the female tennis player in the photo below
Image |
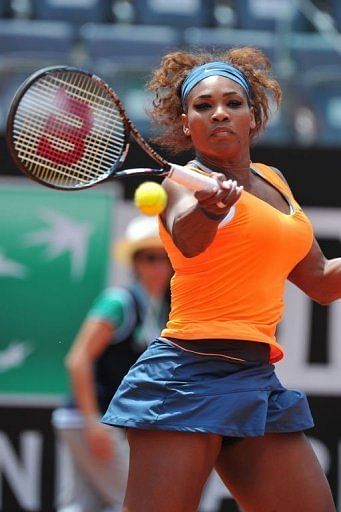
205	394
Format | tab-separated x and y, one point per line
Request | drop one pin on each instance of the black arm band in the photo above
211	215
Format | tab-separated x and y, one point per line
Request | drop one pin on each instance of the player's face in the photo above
218	118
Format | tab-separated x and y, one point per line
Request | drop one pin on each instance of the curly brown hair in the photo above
166	85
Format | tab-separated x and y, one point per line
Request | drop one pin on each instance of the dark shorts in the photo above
172	389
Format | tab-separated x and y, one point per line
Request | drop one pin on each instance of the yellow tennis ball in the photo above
150	198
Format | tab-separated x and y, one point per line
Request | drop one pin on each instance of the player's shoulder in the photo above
280	174
275	170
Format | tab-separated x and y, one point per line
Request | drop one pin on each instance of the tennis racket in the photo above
67	129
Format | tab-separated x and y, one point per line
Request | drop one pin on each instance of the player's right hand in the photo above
225	195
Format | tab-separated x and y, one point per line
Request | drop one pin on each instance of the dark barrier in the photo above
27	459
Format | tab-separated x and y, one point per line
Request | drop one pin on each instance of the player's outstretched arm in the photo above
317	276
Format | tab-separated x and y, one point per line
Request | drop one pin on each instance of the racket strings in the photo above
70	136
29	154
46	109
63	144
105	105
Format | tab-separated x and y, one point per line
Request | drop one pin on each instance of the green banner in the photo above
54	260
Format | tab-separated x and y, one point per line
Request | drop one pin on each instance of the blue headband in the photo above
217	68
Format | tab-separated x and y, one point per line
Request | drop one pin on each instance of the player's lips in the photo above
222	130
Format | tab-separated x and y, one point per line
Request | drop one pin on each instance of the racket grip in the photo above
191	179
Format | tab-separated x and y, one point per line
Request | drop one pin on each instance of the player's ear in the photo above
252	119
186	130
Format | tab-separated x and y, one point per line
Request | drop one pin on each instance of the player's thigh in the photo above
275	473
168	469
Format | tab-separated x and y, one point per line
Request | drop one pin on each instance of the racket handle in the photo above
191	179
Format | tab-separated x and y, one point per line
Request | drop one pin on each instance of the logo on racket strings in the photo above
63	142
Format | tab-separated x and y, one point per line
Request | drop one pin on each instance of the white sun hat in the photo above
141	233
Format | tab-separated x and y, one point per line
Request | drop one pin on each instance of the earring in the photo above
186	131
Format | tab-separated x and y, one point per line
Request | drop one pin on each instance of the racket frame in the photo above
127	125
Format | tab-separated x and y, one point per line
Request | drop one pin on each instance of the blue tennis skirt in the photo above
172	389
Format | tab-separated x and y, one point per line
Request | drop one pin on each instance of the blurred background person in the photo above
115	332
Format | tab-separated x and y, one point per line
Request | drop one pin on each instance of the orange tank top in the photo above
235	288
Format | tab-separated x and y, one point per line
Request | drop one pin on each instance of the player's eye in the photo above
234	103
202	106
